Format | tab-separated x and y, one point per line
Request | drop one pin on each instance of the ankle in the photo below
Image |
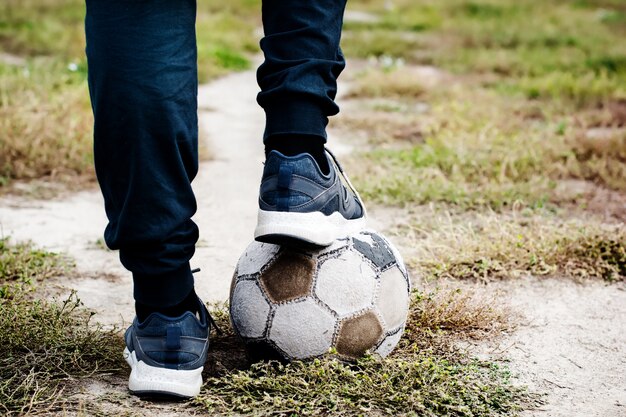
292	145
189	303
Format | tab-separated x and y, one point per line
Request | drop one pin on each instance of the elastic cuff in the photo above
163	290
290	117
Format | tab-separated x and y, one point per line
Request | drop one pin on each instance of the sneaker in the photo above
299	205
167	354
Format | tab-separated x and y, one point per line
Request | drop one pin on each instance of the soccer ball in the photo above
353	296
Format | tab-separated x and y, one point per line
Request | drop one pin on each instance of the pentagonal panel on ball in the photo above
302	329
249	310
346	284
393	298
358	334
289	277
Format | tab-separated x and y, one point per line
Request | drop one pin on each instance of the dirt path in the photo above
572	344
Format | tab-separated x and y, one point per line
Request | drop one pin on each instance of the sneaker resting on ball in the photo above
300	205
167	354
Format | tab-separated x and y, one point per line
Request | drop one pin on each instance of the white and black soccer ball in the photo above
352	296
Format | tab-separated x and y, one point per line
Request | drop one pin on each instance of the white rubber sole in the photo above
150	380
314	228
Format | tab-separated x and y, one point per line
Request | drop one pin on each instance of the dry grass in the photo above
395	82
601	156
494	246
46	122
458	314
45	346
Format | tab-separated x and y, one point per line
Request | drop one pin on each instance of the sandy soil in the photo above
571	344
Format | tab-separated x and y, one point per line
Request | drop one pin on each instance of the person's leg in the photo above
302	197
143	86
298	79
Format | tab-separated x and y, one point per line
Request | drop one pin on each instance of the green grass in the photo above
535	47
420	384
426	375
55	28
22	265
521	83
473	147
45	346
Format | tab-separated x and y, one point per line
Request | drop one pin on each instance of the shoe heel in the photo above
146	380
304	229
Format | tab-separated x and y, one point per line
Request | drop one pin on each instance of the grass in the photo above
422	385
22	265
45	121
456	313
45	115
472	147
517	40
426	375
469	156
45	346
520	85
488	246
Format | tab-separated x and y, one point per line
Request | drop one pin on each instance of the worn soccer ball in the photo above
352	296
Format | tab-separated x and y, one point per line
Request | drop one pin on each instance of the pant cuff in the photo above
295	118
163	290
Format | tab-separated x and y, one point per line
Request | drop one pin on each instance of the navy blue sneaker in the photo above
167	354
298	204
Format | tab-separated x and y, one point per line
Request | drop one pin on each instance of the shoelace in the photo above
347	180
211	320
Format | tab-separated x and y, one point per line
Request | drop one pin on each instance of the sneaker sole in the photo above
309	229
152	381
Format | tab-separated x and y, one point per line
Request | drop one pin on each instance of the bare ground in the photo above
571	345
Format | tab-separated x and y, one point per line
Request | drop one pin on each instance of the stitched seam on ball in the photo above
374	267
390	334
325	307
268	321
380	317
278	349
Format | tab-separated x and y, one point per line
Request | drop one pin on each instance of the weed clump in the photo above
44	343
426	374
21	263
